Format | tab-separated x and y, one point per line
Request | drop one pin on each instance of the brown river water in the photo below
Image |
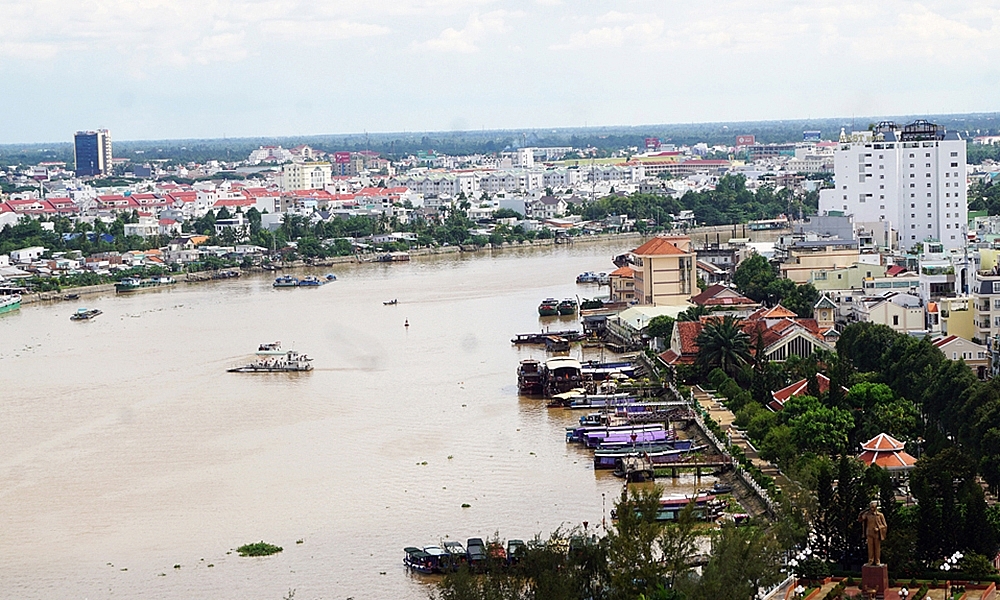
126	448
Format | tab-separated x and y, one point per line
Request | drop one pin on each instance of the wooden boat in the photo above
392	302
515	551
457	555
85	314
290	363
529	378
567	307
635	468
571	335
475	551
548	308
71	297
597	439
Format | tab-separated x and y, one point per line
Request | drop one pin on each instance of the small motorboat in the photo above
331	277
71	297
392	302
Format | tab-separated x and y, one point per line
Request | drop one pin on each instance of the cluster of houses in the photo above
952	297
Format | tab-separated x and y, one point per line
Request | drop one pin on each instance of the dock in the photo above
570	335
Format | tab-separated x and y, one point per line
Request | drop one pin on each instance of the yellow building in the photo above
305	176
665	271
623	284
803	258
956	317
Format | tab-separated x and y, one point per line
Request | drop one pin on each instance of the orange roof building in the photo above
887	452
665	272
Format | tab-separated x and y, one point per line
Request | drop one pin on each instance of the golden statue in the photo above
873	523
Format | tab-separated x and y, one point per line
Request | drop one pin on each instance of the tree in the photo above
754	276
743	560
661	327
721	343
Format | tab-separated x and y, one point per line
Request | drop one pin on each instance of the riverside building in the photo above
913	177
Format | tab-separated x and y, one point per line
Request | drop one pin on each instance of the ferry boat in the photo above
529	378
310	281
9	303
85	314
567	307
133	284
286	281
291	362
548	308
561	374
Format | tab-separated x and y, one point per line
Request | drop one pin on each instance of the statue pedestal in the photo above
875	578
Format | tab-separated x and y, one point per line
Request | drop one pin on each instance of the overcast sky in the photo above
207	68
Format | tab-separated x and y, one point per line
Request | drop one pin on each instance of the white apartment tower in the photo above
911	176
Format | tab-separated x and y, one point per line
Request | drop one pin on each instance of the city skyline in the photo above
245	69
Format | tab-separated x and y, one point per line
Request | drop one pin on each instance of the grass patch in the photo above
259	549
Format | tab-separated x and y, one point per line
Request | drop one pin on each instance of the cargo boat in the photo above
9	303
567	307
85	314
548	308
529	378
283	281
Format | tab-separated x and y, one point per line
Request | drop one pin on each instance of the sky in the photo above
168	69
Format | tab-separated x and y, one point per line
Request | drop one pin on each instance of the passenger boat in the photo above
635	468
9	303
285	281
567	307
273	349
418	560
706	507
290	363
457	555
310	281
515	551
587	277
529	378
85	314
475	553
331	277
597	439
548	308
561	374
134	284
393	257
579	434
439	558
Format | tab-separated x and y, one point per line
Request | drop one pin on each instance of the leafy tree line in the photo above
759	280
985	196
730	202
30	232
638	558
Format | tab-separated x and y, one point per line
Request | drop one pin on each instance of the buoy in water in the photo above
406	323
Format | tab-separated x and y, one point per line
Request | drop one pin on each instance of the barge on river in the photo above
134	284
291	362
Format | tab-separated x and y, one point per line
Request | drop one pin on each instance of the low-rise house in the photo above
799	388
902	312
622	283
726	299
957	317
975	355
27	255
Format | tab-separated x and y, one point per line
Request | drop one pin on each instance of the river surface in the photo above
132	465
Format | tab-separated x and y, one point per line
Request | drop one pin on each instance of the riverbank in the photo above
59	296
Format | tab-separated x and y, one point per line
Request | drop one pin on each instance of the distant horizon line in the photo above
404	132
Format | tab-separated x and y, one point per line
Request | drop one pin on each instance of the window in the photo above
928	155
928	165
928	215
913	216
996	321
954	355
954	154
895	319
912	175
996	303
913	226
913	205
996	287
928	226
911	185
913	237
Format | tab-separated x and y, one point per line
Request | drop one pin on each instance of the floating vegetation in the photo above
260	548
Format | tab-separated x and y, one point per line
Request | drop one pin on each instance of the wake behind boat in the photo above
291	362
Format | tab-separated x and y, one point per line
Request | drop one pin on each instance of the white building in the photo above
27	255
912	176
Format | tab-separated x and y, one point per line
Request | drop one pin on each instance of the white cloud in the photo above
633	30
467	39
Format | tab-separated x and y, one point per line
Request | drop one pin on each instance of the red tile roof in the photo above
799	388
625	271
886	452
657	247
709	297
894	270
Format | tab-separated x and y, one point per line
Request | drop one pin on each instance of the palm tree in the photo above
721	343
695	313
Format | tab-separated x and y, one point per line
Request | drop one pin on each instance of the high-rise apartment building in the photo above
92	152
911	176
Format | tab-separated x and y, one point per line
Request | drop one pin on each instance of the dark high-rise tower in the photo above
92	150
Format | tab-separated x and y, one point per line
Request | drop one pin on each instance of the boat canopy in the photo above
562	362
